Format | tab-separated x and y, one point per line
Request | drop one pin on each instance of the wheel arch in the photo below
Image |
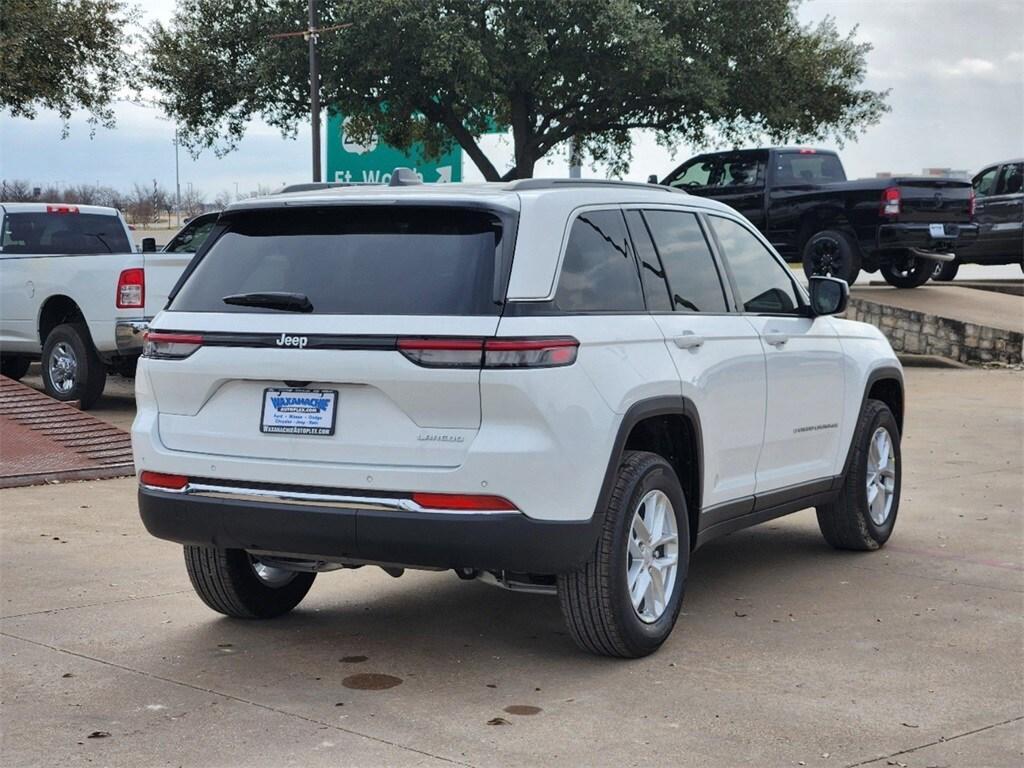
885	384
57	309
670	427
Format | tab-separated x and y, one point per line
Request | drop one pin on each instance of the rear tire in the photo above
71	369
906	271
852	521
14	367
597	600
834	254
228	582
945	271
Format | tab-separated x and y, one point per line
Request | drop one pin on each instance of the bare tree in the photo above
16	191
193	202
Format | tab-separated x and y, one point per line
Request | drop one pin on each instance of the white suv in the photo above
553	385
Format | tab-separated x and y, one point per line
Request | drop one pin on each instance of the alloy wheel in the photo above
881	476
63	367
652	556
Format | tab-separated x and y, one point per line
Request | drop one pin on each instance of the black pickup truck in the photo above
801	201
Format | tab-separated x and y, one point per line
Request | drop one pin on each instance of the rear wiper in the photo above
289	302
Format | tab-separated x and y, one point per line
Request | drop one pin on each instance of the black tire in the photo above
595	598
944	271
226	580
847	523
832	253
906	271
89	375
14	367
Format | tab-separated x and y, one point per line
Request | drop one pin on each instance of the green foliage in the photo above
588	70
64	55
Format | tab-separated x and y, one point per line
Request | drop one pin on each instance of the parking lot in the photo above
789	653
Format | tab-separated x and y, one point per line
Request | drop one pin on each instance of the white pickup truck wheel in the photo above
71	368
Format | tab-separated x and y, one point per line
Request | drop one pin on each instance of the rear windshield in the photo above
353	260
64	233
807	168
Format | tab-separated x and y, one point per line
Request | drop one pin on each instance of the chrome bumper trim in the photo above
308	499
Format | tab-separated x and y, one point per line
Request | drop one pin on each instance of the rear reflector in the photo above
467	502
161	480
131	289
170	346
490	353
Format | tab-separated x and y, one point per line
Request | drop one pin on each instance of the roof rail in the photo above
520	185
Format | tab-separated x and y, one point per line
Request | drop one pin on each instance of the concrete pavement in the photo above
788	654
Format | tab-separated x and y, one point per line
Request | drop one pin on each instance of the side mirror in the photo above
652	179
149	245
829	295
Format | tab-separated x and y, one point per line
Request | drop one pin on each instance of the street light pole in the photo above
314	88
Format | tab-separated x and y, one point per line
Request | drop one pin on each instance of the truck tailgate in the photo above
925	200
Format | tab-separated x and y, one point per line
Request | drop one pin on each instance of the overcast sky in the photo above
955	69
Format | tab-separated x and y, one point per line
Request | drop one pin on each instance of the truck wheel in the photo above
14	367
945	271
906	271
834	254
863	515
70	366
237	584
624	601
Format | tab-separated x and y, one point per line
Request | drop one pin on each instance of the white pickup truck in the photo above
75	294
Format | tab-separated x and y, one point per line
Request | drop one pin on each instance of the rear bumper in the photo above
892	236
486	541
128	335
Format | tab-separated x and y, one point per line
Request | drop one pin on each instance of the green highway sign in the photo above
350	161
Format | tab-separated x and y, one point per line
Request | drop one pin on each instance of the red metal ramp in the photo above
42	440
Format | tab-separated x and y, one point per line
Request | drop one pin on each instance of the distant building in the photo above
950	173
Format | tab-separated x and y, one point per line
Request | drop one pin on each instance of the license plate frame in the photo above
305	419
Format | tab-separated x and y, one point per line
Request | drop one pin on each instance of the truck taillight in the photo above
891	201
971	202
62	209
131	289
170	346
490	353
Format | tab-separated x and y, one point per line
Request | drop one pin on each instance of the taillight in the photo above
463	502
62	209
490	353
161	480
131	289
970	204
443	353
170	346
530	353
891	201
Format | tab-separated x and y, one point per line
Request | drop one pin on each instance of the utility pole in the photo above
314	89
177	177
312	35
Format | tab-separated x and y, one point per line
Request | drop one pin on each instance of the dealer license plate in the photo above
299	411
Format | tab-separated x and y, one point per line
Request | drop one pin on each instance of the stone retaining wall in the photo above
917	333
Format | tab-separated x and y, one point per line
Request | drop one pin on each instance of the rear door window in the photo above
356	260
652	273
763	284
693	278
68	233
599	272
1010	179
984	182
807	168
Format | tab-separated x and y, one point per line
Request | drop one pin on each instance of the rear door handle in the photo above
689	340
776	338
